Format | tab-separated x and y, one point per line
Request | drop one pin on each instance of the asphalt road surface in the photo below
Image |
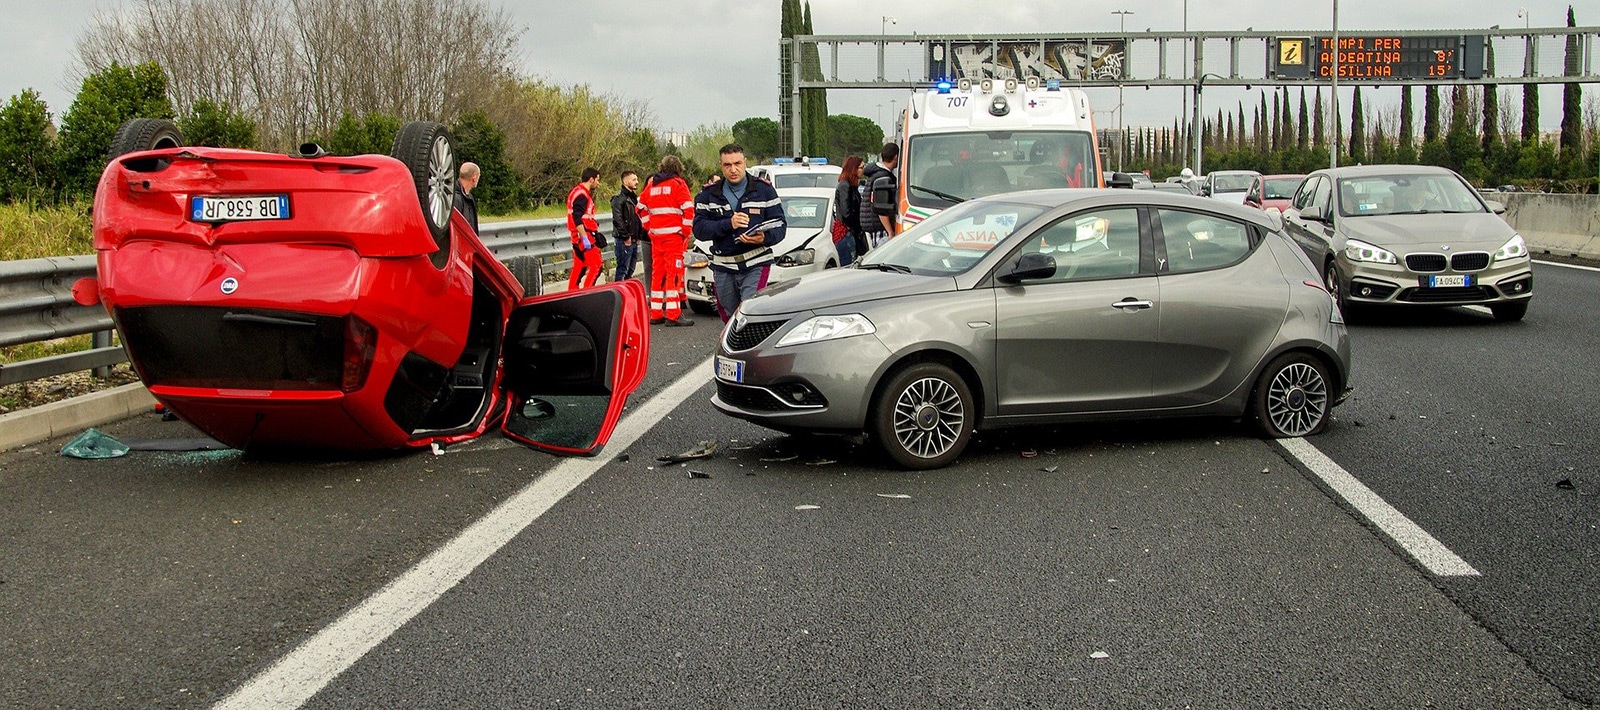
1127	565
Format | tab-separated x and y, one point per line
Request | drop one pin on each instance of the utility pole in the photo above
1122	140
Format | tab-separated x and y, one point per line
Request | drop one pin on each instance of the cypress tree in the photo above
1275	141
1318	129
1358	130
1572	108
814	102
1407	151
1430	115
1530	113
1303	133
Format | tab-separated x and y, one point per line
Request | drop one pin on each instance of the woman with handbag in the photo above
846	203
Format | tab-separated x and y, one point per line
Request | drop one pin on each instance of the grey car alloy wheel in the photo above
1295	399
924	418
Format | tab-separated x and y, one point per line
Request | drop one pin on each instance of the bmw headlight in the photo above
1357	250
821	328
1514	249
798	257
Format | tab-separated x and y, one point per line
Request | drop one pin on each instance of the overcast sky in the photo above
698	62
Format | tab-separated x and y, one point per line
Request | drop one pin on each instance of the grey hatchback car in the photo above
1410	235
1044	307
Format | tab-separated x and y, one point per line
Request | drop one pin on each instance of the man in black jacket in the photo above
467	179
625	225
878	185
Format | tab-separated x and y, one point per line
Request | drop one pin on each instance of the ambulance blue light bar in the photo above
944	87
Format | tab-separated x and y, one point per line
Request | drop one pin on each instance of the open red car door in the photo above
571	360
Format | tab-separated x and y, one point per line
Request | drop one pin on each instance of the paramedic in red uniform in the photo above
667	213
587	241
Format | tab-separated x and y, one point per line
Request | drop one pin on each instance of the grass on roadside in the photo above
540	212
28	232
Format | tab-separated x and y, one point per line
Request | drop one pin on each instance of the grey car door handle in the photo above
1130	303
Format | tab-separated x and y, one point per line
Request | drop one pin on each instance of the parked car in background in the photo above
1043	307
1176	188
1272	192
1410	235
807	245
798	172
309	301
1230	185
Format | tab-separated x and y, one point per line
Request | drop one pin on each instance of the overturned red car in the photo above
310	301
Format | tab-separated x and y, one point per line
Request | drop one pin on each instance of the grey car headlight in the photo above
1513	249
1357	250
819	328
798	257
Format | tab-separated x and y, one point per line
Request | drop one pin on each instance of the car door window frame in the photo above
1253	237
1146	261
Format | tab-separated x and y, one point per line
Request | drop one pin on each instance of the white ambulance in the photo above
966	139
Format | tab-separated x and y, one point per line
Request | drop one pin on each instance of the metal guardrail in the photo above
36	297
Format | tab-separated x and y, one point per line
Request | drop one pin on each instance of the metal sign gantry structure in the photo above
1195	60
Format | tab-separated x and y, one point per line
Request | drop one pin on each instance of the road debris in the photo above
780	459
1050	469
92	444
1099	655
1029	453
698	474
894	495
1565	484
821	462
437	449
808	507
704	450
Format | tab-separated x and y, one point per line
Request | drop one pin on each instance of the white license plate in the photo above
239	209
730	369
1449	280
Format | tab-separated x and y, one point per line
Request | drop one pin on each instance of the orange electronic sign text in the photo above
1391	57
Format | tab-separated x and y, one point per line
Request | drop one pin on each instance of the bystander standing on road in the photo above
878	186
667	212
625	225
587	241
846	225
742	217
467	179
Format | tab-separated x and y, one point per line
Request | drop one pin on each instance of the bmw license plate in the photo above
1448	280
730	369
239	209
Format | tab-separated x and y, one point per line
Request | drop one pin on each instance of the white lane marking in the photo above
1422	547
307	669
1480	309
1569	266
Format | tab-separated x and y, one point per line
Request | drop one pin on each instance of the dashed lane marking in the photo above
1422	547
309	668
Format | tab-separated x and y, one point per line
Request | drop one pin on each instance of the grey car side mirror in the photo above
1313	213
1030	267
1495	207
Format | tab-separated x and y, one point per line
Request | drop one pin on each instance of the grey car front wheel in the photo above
924	416
1292	397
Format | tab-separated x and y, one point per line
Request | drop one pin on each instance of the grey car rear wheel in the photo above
1292	399
924	416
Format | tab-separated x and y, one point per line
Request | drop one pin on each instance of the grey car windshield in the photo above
952	241
1406	194
950	167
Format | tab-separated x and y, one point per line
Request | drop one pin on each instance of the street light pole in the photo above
1333	77
1122	140
883	24
1186	71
